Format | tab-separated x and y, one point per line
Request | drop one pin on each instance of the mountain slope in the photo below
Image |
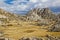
6	17
19	30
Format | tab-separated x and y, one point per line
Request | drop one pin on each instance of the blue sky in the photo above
23	6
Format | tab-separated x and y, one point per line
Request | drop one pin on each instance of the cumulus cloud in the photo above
33	1
56	3
26	5
44	0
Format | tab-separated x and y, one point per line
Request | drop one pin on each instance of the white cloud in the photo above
33	1
44	0
22	7
30	4
48	3
38	5
56	3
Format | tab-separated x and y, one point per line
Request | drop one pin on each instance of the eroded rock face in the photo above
38	14
55	27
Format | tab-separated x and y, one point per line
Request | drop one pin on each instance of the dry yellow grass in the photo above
25	29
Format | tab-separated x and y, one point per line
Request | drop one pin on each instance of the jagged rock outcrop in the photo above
38	14
55	27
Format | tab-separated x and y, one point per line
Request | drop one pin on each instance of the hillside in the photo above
38	24
7	17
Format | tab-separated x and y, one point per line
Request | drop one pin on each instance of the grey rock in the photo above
38	14
52	37
30	38
55	27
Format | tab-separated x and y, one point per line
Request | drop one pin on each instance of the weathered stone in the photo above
30	38
52	38
55	27
39	14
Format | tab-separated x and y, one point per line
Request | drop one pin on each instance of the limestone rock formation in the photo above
38	14
55	27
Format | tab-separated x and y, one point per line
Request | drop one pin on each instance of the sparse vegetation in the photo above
31	25
29	31
41	24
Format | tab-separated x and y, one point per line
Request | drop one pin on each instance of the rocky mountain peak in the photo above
39	13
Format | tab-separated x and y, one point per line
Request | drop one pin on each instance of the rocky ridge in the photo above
38	14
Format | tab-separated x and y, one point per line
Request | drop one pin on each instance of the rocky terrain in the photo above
38	14
38	24
7	17
55	27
